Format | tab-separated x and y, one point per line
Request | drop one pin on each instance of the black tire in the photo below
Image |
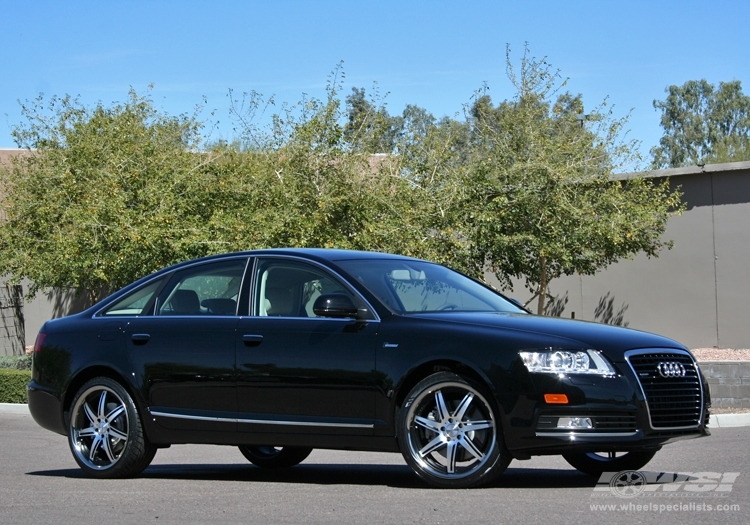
449	433
275	457
594	463
105	432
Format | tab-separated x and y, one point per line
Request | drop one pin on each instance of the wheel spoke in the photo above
429	424
118	434
451	455
432	446
102	405
471	447
89	413
463	406
87	432
108	449
472	426
95	444
116	412
442	409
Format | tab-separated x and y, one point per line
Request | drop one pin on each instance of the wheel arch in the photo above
423	370
90	373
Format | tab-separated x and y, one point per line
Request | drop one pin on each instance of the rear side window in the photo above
135	302
208	289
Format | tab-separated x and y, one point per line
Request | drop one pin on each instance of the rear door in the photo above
184	353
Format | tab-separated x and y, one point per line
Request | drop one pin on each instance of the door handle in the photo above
252	340
140	339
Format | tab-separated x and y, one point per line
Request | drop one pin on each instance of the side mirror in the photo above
336	305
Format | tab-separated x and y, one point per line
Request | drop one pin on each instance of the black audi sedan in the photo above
282	351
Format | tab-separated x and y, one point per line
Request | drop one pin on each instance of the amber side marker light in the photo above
556	399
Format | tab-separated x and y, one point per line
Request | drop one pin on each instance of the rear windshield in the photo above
416	286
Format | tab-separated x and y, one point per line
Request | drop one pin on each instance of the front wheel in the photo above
594	463
449	434
274	457
105	432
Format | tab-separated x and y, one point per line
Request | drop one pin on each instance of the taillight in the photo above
39	341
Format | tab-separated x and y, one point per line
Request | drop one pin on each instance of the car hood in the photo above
614	340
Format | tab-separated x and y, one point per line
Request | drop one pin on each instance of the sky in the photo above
434	54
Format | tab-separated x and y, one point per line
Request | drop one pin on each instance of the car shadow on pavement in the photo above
396	476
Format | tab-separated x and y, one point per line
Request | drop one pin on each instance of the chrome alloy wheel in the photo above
99	427
452	432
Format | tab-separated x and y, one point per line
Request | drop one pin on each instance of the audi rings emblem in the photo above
671	369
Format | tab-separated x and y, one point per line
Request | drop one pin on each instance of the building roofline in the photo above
686	170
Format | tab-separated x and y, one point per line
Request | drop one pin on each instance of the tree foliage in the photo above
104	198
703	124
523	188
539	200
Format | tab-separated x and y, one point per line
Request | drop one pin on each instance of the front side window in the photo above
208	289
289	288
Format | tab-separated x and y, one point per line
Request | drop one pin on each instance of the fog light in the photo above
574	422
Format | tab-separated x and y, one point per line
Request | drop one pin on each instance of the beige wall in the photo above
698	292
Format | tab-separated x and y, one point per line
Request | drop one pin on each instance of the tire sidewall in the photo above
498	457
123	466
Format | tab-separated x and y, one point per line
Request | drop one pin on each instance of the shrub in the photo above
16	362
13	385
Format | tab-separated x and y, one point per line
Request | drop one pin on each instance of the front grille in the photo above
673	402
615	423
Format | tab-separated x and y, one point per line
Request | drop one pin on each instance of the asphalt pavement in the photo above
40	483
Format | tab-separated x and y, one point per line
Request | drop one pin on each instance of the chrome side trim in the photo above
305	423
263	421
196	418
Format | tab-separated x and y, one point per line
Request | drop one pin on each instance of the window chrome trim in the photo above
263	421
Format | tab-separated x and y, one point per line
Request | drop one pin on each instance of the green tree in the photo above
368	125
105	195
539	197
703	124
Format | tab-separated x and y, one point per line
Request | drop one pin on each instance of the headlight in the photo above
554	361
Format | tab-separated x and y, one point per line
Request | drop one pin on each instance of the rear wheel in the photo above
449	434
594	463
275	457
105	432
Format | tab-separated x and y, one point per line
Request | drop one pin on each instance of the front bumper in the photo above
636	409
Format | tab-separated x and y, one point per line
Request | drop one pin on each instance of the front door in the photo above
298	372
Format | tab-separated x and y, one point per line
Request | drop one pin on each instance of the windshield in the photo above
416	286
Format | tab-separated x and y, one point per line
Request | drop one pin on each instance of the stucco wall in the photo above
698	292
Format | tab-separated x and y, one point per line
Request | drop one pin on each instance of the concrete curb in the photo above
729	420
717	420
14	408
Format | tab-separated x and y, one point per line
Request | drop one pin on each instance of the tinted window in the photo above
208	289
135	302
416	286
288	288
